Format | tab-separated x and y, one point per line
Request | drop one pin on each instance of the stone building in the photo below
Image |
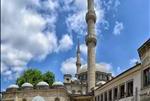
91	83
144	53
131	85
42	92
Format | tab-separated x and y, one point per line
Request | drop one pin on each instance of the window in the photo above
104	77
146	75
107	77
101	97
105	96
97	76
110	95
130	88
67	79
100	76
57	99
95	99
115	93
122	91
98	98
84	77
73	91
80	77
24	99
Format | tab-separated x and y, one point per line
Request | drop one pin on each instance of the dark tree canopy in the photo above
34	76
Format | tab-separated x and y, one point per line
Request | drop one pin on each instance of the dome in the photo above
102	67
38	98
57	83
27	85
42	83
74	79
101	82
69	92
13	86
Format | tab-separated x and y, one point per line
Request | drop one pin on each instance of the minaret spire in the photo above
78	62
91	43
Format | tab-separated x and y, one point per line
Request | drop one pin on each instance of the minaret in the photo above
78	62
91	43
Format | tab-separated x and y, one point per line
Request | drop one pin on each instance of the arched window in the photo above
57	99
24	99
38	98
73	91
79	91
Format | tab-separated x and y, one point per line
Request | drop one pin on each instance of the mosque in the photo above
91	83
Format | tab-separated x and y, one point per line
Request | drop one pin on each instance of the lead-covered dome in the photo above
42	83
102	67
57	83
74	79
14	86
26	84
100	82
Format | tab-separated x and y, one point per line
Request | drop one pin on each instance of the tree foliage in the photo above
34	76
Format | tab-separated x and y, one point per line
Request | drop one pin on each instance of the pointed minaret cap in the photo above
78	48
78	62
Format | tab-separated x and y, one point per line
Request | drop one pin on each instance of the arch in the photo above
73	91
57	99
38	98
24	99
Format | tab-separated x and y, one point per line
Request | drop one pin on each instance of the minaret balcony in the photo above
91	15
91	38
78	63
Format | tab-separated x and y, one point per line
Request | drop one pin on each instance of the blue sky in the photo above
43	34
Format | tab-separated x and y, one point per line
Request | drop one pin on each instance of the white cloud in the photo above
118	28
105	67
76	21
69	66
83	49
133	61
65	43
117	71
22	37
51	4
111	4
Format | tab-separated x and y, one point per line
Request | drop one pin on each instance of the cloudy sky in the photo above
43	34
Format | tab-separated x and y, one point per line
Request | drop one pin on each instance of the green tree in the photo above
34	76
49	77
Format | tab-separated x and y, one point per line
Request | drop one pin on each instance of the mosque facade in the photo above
91	82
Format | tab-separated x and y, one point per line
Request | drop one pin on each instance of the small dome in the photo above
27	85
42	83
69	92
13	86
38	98
83	69
102	67
101	82
57	83
74	79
